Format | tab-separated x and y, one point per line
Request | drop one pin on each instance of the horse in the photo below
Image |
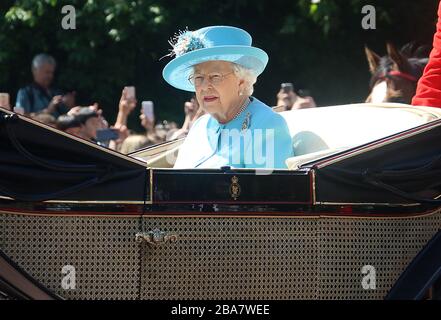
394	77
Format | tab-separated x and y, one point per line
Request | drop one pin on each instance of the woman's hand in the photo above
148	124
126	105
286	99
304	103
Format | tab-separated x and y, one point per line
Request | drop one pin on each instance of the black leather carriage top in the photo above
39	163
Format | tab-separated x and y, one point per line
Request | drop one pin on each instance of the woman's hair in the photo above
248	76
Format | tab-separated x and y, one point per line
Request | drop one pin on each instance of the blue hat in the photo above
211	43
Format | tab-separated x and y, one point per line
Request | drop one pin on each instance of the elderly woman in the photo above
238	130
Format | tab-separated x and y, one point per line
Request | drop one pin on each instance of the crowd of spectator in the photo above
41	101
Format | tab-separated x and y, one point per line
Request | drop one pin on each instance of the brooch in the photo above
246	122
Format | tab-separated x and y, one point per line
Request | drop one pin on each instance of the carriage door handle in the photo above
156	237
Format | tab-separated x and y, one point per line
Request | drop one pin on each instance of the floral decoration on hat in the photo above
186	41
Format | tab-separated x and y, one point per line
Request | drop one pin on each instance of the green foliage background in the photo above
318	46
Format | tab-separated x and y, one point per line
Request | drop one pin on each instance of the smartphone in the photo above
287	87
130	92
303	93
147	109
4	100
104	135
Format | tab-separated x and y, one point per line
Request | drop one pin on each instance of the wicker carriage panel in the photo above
216	257
232	258
388	245
102	250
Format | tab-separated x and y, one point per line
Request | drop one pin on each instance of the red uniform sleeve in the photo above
429	86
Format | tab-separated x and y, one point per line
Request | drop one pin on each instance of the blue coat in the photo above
257	138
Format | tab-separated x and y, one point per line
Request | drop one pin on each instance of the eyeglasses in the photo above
214	78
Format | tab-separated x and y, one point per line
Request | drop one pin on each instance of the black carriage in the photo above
361	200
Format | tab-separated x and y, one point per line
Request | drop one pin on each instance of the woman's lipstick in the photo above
209	98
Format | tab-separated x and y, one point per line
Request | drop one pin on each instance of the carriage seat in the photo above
316	132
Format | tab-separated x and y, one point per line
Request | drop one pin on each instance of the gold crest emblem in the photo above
235	187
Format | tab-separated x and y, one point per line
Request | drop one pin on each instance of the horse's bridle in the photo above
399	74
394	73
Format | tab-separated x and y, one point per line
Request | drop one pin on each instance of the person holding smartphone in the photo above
40	95
127	103
147	118
290	99
286	96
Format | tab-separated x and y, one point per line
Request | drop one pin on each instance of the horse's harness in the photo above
394	73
